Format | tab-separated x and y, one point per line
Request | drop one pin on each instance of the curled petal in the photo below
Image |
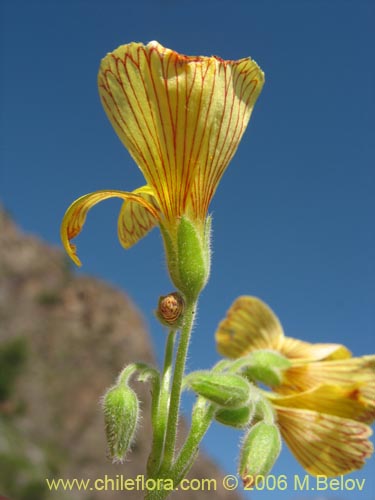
135	220
249	325
300	350
343	401
177	115
75	216
325	444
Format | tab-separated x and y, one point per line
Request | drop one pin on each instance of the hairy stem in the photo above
203	414
161	411
174	405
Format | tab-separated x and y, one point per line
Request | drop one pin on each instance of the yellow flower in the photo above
181	118
323	440
325	397
251	325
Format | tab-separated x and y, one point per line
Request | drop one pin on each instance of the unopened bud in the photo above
267	367
260	449
120	405
170	309
223	389
236	417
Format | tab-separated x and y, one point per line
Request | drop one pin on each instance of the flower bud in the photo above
266	367
236	417
223	389
121	408
170	309
259	451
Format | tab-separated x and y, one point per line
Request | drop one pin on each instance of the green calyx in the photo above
236	417
121	409
259	451
225	390
265	366
188	256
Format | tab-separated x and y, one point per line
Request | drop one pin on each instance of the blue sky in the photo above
293	215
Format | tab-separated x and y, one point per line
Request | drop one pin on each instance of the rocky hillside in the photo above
63	340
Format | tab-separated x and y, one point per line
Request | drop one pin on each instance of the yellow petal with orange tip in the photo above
135	220
75	216
179	116
249	325
343	401
324	444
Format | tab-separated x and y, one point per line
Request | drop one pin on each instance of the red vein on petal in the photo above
195	127
345	459
232	144
172	171
123	126
164	197
214	170
157	185
150	171
199	177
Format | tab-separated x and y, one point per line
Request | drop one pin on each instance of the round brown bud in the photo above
170	308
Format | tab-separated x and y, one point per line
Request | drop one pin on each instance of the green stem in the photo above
145	372
265	410
203	414
174	405
161	414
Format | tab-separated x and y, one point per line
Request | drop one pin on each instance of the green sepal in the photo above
236	417
260	449
266	367
207	243
188	255
226	390
121	410
192	265
170	253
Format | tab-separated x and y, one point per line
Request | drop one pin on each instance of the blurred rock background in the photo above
63	340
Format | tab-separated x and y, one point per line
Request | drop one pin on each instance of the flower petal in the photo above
343	372
234	88
177	114
75	216
343	401
298	349
135	221
249	325
325	444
